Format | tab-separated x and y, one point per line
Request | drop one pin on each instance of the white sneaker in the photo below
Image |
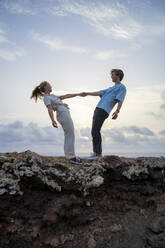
95	156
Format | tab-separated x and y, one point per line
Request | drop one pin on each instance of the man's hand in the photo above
54	123
115	115
83	94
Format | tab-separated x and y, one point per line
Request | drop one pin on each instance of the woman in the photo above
54	103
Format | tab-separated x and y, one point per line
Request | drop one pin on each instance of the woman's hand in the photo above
54	123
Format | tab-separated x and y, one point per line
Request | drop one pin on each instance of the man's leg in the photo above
98	119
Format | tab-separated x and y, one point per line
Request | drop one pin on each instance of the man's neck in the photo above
117	83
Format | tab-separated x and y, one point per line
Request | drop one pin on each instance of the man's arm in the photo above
119	98
96	93
119	106
115	114
69	96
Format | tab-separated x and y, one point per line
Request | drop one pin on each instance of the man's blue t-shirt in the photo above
110	96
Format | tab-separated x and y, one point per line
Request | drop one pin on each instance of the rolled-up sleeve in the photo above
120	96
47	100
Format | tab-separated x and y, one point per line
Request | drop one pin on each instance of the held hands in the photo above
54	123
115	115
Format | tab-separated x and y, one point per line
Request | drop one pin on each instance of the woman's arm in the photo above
69	96
51	114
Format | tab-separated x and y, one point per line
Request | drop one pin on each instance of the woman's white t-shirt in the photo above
55	102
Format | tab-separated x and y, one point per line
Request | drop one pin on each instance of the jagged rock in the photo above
156	232
110	202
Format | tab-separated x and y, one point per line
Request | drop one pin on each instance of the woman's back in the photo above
55	102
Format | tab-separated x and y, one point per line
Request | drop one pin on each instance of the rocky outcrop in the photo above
113	202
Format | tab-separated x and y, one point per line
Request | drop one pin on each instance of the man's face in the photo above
114	77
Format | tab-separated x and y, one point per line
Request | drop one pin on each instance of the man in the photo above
109	97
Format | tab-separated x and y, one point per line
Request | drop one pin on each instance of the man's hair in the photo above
119	73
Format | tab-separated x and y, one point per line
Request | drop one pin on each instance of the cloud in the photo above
115	19
57	11
11	55
9	51
56	43
162	106
113	135
127	136
17	136
156	116
3	37
138	130
85	132
110	54
108	19
160	114
140	140
162	132
18	7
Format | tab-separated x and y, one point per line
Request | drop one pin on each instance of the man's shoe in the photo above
75	160
95	156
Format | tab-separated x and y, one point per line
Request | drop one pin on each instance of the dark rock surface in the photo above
115	202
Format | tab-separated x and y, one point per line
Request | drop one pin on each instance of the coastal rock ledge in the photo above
112	202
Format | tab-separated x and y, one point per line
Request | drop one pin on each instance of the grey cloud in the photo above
156	116
163	94
47	140
17	134
85	132
137	130
114	134
163	97
162	106
162	132
132	130
159	115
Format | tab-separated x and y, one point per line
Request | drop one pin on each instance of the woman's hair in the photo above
119	73
38	91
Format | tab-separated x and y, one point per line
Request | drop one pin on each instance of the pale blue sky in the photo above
74	45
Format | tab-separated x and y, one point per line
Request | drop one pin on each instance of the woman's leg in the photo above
69	136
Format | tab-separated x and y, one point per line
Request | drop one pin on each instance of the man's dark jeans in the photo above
98	119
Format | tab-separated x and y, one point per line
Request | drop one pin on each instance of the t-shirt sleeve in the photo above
47	100
102	92
121	95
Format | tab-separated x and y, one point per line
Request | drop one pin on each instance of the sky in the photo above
73	44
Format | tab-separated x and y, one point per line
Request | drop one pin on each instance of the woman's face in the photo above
48	87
